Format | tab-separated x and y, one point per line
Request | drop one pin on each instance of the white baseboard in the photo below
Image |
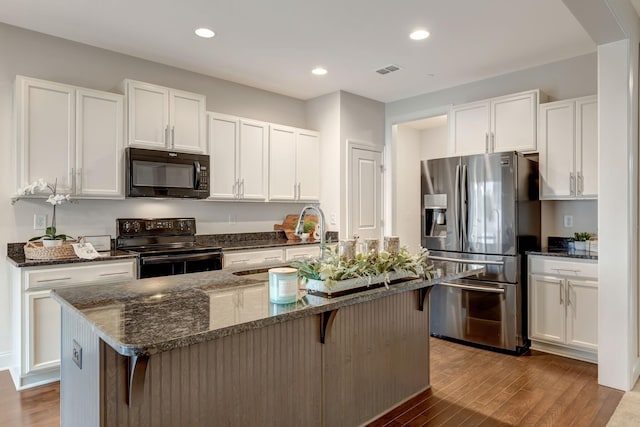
6	360
585	356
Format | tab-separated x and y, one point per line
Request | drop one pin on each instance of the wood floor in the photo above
470	387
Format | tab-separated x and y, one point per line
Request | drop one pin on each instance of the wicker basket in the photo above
35	250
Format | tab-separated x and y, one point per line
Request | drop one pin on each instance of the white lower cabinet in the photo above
242	304
36	330
563	307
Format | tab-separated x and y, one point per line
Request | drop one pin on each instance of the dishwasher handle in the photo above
473	288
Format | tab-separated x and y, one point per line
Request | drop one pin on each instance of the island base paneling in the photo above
375	356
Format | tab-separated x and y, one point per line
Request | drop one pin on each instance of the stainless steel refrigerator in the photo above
482	209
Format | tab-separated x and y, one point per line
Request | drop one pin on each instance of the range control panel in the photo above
138	227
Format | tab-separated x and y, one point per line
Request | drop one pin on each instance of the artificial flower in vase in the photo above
50	238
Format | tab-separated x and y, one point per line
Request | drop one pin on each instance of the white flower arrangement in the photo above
54	199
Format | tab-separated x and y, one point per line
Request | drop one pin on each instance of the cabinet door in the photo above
582	313
282	163
308	166
469	128
99	147
43	332
45	132
513	122
222	308
223	137
556	147
147	115
547	320
236	258
187	121
302	252
253	160
587	147
254	303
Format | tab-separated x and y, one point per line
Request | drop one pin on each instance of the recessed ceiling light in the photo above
419	35
319	71
205	33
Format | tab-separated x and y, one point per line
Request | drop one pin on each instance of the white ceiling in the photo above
273	44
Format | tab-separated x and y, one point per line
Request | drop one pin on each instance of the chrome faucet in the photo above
323	231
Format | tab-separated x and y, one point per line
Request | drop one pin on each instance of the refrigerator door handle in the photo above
456	207
464	209
466	261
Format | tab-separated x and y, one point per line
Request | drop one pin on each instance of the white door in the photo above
46	132
547	309
148	115
308	166
43	329
187	121
469	128
99	146
513	122
253	157
282	163
223	137
557	140
587	146
582	313
365	193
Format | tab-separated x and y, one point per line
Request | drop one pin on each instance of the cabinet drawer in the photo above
50	277
251	257
302	252
555	266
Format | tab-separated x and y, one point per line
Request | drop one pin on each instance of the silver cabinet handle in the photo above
568	294
567	269
473	288
493	142
233	189
77	185
295	191
572	183
242	188
299	197
271	258
240	261
167	141
580	184
53	280
466	261
486	142
561	287
173	136
117	273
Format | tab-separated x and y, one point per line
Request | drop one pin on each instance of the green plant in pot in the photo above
50	238
308	227
581	241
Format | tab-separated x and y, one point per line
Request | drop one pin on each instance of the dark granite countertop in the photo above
566	254
18	259
149	316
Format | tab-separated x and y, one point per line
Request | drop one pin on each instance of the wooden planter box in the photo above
342	287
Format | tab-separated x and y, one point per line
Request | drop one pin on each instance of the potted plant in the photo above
50	238
581	241
307	228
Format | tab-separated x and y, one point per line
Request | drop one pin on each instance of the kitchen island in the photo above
209	349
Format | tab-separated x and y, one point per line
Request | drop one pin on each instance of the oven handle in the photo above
178	258
465	261
473	288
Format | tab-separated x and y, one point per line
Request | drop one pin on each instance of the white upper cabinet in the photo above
294	170
506	123
164	118
239	150
568	146
70	135
99	144
46	120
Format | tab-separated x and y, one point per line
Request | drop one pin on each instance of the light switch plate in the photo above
76	354
39	222
568	221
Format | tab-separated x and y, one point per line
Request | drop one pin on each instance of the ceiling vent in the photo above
388	69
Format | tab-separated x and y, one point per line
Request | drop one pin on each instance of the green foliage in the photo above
308	226
334	268
51	235
581	237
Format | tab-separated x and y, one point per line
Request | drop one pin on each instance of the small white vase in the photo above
52	242
304	237
581	245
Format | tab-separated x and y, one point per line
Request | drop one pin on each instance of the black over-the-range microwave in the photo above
157	173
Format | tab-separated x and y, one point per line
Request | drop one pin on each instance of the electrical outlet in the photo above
333	220
76	354
232	219
39	222
568	221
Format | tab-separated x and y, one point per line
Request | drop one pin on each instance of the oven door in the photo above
482	313
155	173
169	265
